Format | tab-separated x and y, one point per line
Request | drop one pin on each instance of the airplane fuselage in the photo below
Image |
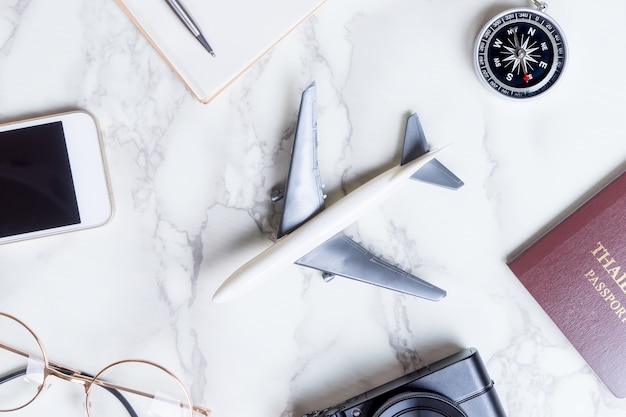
319	229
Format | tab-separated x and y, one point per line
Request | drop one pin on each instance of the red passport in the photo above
577	273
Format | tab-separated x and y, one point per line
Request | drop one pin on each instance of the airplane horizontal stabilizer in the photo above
342	256
436	173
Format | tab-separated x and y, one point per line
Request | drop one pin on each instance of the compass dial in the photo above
521	53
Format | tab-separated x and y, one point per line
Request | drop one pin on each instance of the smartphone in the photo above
52	177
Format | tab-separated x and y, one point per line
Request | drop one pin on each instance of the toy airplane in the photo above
310	236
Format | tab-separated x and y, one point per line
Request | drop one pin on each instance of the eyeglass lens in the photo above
21	365
138	389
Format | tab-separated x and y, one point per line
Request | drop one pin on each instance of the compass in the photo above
521	53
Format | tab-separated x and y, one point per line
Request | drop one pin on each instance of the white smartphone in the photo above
52	177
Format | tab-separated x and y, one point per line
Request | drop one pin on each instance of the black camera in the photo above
457	386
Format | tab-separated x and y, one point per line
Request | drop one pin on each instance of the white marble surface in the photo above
191	184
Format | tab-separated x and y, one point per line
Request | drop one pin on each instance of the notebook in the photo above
239	31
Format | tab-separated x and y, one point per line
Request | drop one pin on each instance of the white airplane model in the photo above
311	237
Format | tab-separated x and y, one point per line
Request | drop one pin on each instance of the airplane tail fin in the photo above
415	145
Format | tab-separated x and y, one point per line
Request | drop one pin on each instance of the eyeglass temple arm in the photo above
10	376
70	373
64	373
86	380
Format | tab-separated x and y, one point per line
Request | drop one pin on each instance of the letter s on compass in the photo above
520	53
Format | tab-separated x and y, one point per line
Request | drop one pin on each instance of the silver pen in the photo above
185	17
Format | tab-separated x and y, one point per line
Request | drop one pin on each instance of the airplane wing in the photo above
303	195
415	145
342	256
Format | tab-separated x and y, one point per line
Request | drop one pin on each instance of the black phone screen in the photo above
36	187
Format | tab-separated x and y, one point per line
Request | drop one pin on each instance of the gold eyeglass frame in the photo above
68	374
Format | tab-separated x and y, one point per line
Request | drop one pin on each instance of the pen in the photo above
185	17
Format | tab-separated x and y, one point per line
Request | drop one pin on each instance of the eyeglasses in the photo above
132	387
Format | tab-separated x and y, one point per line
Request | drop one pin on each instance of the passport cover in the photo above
577	273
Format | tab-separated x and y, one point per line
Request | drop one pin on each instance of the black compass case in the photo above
520	53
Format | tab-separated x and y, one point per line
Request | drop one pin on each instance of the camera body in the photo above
456	386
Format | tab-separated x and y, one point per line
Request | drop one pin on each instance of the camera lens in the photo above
419	404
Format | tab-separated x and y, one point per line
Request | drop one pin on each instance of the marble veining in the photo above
191	187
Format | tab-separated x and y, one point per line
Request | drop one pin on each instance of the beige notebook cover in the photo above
239	31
